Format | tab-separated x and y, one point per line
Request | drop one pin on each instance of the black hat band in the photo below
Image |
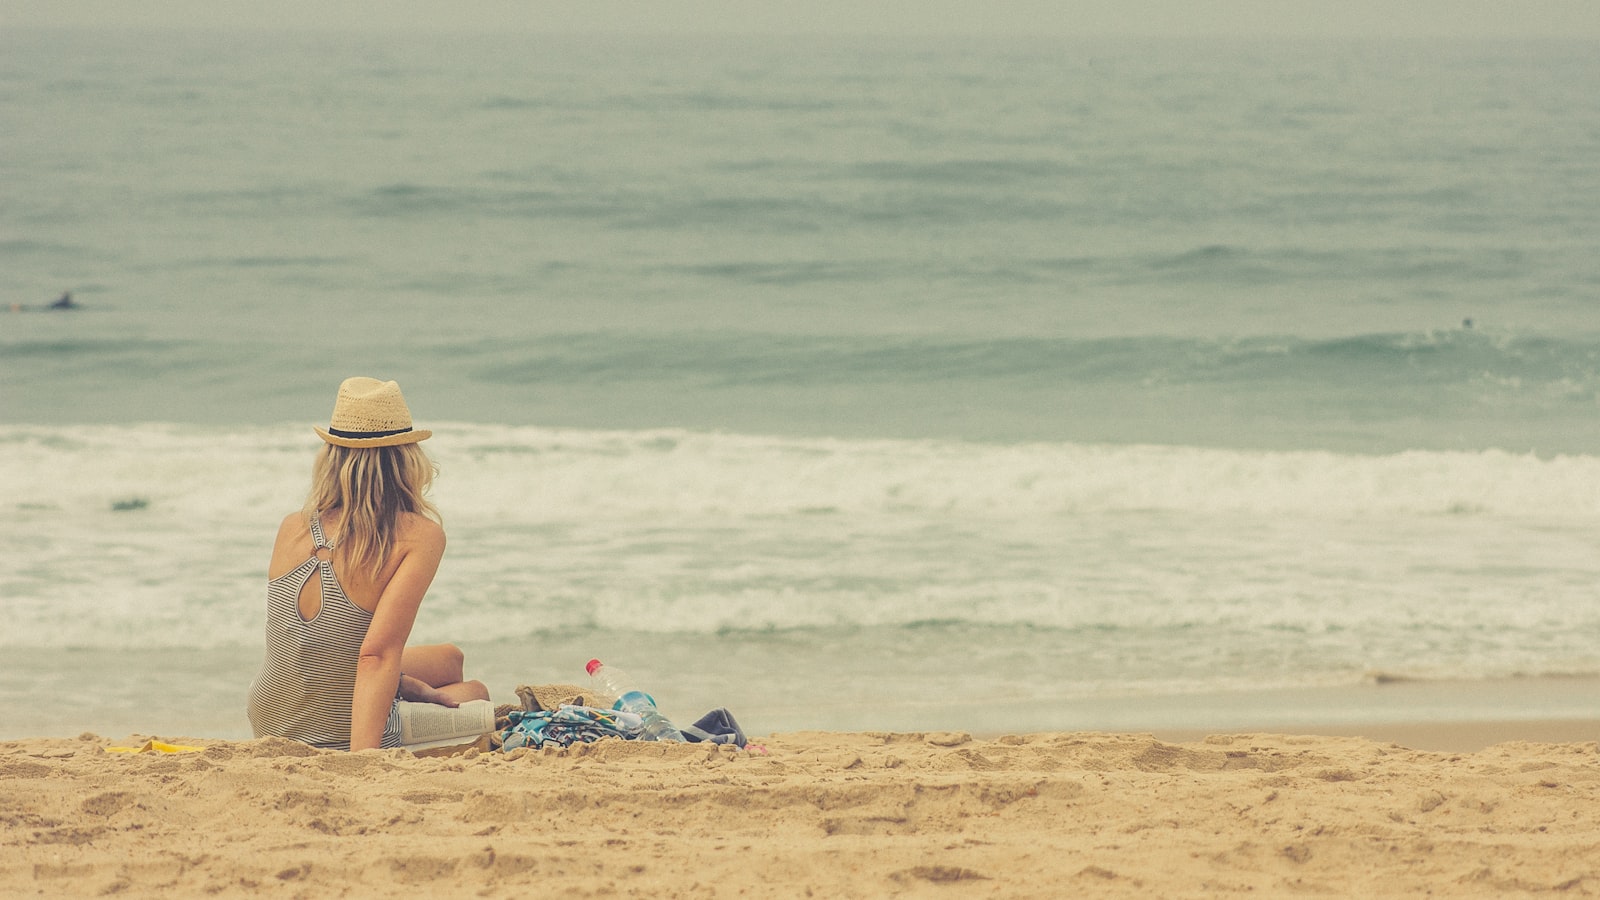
365	435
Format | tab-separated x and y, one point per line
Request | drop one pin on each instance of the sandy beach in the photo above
861	814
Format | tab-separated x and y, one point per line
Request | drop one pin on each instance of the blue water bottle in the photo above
615	682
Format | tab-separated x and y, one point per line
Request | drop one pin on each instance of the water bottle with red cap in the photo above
614	681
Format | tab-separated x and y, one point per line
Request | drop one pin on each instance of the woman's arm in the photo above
378	669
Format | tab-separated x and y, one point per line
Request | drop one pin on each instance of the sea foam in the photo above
161	533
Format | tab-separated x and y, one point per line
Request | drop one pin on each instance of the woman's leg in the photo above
437	664
442	666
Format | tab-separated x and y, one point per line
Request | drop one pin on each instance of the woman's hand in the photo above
418	691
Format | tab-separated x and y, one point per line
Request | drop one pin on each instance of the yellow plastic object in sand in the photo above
157	747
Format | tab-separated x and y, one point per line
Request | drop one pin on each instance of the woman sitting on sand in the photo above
347	575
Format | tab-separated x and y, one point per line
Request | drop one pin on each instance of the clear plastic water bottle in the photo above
616	682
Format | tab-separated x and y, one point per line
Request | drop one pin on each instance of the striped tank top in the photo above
309	676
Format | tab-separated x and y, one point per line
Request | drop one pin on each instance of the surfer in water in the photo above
64	301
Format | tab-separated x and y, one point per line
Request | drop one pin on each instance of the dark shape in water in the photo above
64	301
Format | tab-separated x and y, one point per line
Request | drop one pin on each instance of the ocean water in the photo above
843	383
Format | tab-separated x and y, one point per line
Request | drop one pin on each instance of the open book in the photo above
426	725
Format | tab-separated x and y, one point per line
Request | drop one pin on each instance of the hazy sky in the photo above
1465	18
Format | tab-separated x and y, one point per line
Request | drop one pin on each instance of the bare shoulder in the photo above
419	531
293	525
291	546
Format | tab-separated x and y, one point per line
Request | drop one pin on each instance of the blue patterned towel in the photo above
568	725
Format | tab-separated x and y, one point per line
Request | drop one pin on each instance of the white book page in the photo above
420	722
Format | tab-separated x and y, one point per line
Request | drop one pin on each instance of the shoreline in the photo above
1446	715
202	694
1428	737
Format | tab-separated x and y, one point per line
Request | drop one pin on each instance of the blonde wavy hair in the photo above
373	486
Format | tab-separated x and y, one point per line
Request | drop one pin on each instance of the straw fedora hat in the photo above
371	413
